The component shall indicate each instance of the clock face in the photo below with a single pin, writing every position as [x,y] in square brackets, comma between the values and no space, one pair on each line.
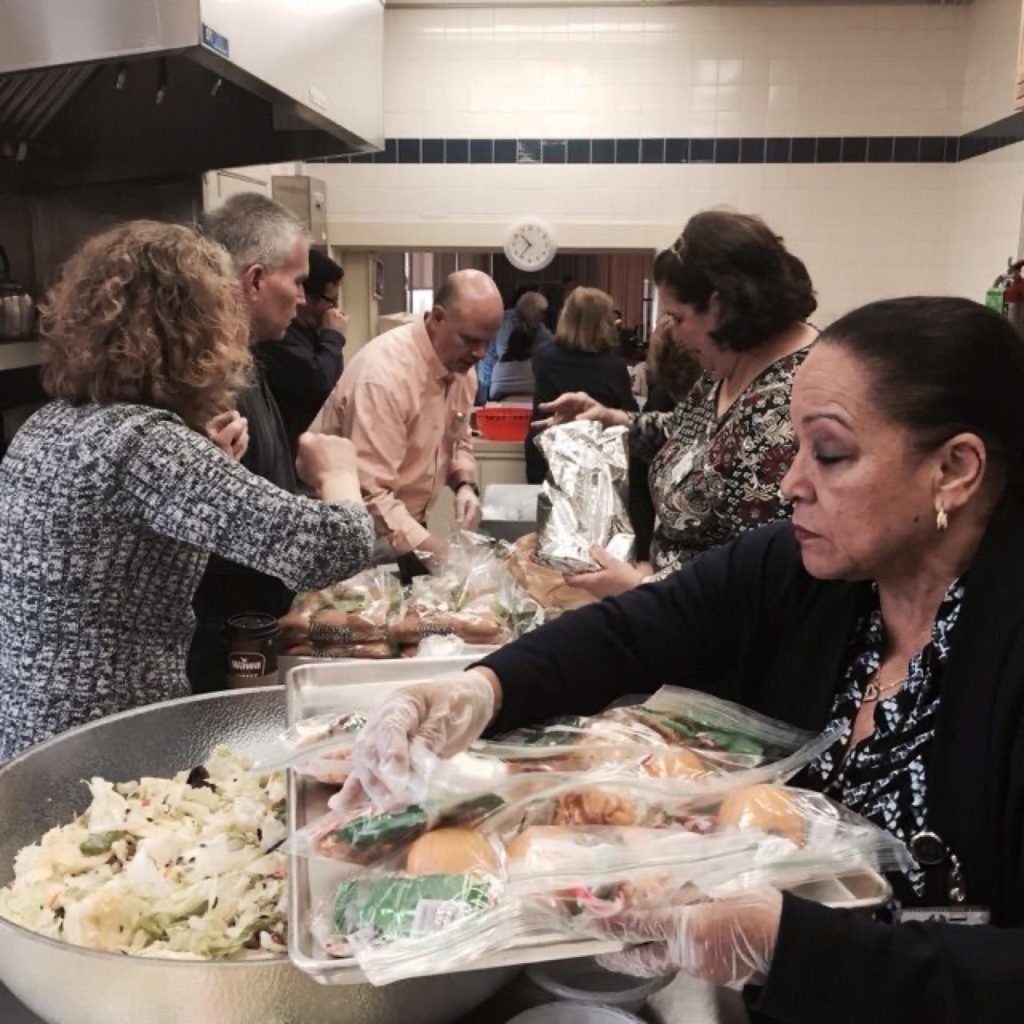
[530,245]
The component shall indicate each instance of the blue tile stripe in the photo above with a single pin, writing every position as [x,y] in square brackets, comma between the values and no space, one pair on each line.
[860,149]
[845,149]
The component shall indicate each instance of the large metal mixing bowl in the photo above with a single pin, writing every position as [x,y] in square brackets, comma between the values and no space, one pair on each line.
[66,984]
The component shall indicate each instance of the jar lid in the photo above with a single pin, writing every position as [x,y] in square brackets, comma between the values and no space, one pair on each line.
[254,624]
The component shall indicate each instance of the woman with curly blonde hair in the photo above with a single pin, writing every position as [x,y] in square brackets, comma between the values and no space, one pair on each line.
[112,496]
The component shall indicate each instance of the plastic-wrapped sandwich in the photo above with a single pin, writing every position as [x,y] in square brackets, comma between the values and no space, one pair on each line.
[522,870]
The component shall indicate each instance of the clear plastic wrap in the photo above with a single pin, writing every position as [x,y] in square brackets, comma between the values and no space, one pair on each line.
[533,877]
[330,734]
[677,734]
[516,609]
[348,620]
[382,838]
[457,599]
[572,878]
[583,501]
[695,742]
[544,585]
[371,913]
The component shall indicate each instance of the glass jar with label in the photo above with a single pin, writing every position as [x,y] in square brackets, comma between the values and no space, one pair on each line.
[251,640]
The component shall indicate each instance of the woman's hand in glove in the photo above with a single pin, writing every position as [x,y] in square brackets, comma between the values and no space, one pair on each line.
[727,942]
[411,730]
[467,507]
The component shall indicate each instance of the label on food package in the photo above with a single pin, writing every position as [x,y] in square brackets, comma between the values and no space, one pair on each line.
[434,915]
[247,664]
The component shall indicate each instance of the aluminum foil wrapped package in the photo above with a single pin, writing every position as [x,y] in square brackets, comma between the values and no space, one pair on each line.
[583,499]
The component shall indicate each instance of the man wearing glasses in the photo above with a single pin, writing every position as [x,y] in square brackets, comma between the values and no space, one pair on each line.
[303,367]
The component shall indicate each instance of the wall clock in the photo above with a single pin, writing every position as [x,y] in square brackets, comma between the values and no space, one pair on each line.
[530,244]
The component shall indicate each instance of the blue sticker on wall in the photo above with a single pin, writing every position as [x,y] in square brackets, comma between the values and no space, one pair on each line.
[215,41]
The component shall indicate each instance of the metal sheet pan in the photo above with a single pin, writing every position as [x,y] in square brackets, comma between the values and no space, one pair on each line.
[354,685]
[312,689]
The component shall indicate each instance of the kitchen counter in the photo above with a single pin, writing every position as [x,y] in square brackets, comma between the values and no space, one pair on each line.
[499,462]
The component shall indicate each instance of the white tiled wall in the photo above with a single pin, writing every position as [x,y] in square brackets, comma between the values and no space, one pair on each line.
[987,191]
[673,71]
[986,219]
[865,230]
[990,58]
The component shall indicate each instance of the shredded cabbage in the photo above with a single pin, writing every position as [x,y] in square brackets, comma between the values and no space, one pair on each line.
[162,868]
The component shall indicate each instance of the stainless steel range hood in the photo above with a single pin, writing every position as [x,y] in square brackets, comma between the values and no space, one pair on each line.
[111,90]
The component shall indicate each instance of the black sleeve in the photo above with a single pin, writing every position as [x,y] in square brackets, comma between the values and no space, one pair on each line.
[705,627]
[906,973]
[295,369]
[624,386]
[543,391]
[544,387]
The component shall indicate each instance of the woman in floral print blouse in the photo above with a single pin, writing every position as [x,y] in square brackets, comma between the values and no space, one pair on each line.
[739,301]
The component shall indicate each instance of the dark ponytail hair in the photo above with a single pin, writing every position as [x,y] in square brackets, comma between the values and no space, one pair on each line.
[762,288]
[941,367]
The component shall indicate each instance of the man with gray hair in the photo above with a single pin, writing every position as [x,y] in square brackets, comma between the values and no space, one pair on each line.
[527,314]
[270,253]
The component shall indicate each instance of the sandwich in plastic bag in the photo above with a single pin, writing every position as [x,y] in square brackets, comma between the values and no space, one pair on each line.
[520,879]
[348,620]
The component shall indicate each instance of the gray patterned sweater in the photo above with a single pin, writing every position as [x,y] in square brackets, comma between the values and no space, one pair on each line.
[107,516]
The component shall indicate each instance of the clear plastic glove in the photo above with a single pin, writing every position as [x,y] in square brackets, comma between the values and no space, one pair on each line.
[727,942]
[578,405]
[410,731]
[613,578]
[229,431]
[467,508]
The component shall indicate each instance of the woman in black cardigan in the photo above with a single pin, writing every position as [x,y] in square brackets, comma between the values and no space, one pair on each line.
[891,608]
[583,356]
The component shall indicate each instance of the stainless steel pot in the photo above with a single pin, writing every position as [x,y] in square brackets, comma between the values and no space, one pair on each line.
[66,984]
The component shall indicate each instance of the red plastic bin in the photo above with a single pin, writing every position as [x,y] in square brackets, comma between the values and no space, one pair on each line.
[503,422]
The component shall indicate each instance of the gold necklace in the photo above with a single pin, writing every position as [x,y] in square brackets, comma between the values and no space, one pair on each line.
[873,691]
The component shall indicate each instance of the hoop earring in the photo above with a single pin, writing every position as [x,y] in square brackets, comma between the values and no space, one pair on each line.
[941,520]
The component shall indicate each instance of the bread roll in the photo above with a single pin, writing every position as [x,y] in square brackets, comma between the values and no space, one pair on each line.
[295,627]
[407,629]
[451,851]
[675,763]
[479,629]
[772,809]
[332,626]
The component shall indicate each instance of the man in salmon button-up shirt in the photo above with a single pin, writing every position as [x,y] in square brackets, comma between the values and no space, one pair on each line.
[404,401]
